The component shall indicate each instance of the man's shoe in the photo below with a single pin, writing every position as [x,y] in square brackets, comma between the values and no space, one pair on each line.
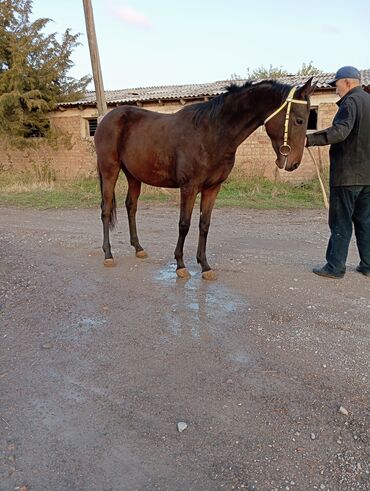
[326,274]
[360,269]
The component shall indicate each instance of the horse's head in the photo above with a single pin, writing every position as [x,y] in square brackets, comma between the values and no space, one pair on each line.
[287,126]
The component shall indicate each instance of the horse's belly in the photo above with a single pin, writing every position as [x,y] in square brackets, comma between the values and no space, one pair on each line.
[159,182]
[153,172]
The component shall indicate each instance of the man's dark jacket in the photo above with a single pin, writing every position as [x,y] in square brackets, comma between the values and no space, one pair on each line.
[349,137]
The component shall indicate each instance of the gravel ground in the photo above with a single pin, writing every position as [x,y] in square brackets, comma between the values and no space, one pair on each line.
[98,365]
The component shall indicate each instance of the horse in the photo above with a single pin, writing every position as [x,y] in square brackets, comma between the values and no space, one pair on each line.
[194,149]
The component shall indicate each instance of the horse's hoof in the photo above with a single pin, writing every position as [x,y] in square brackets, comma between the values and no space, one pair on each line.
[209,275]
[141,254]
[109,263]
[183,273]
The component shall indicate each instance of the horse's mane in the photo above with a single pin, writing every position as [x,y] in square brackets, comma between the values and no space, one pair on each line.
[211,109]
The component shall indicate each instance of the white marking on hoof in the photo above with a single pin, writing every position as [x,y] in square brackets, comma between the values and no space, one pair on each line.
[209,275]
[141,254]
[183,273]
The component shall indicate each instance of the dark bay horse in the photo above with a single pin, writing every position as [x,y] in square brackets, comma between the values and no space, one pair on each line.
[194,150]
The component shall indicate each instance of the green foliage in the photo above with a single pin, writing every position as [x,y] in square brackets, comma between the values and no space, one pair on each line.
[33,73]
[308,69]
[266,73]
[274,72]
[235,76]
[261,193]
[44,171]
[39,189]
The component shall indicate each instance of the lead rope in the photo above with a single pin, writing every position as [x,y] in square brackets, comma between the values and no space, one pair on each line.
[323,190]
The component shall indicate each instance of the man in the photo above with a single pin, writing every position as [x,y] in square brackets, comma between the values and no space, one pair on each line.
[349,137]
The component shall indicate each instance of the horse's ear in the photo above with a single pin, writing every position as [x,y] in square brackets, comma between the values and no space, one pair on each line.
[307,89]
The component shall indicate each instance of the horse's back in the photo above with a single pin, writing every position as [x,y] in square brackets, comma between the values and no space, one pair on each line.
[120,119]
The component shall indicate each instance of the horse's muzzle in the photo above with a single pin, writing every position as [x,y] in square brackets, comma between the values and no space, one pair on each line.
[282,164]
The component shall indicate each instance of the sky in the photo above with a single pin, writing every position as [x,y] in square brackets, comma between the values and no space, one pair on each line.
[144,43]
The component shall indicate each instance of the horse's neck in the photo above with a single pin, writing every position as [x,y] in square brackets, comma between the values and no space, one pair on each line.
[247,111]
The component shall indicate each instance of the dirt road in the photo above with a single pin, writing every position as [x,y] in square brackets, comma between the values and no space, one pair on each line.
[98,365]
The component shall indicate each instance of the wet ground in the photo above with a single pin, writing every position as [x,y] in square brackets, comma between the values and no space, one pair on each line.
[98,365]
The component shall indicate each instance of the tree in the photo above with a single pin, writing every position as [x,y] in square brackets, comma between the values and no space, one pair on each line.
[267,73]
[274,72]
[33,73]
[308,69]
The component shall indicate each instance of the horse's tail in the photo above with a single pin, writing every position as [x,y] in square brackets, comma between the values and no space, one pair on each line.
[113,211]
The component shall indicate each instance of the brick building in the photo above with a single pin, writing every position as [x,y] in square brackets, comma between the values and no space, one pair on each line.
[255,155]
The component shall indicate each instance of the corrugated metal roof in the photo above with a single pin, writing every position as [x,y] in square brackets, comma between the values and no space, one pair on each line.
[194,91]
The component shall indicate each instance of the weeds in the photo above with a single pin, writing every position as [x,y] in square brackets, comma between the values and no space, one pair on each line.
[39,188]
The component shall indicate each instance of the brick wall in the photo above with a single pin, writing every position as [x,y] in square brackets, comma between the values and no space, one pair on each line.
[255,156]
[75,160]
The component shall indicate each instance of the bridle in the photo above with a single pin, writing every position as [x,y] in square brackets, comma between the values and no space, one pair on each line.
[285,149]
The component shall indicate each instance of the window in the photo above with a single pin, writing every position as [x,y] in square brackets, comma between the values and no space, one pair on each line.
[93,123]
[312,119]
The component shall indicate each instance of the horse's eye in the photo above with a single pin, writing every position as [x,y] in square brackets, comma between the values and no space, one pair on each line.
[300,121]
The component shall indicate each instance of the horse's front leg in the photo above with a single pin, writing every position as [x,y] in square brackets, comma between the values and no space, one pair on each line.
[188,196]
[206,206]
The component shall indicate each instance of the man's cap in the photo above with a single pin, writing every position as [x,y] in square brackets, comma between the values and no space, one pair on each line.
[346,72]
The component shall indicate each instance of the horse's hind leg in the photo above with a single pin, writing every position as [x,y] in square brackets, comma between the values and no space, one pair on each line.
[108,174]
[207,202]
[187,204]
[133,193]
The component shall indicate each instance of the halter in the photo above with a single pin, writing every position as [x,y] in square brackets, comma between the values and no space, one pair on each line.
[285,148]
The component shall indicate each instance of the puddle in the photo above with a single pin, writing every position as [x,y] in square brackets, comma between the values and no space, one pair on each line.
[168,275]
[205,310]
[203,299]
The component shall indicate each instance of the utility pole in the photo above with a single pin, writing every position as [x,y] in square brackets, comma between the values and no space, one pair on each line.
[95,61]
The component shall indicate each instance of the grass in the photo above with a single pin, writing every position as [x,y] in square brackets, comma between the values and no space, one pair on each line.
[27,190]
[264,194]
